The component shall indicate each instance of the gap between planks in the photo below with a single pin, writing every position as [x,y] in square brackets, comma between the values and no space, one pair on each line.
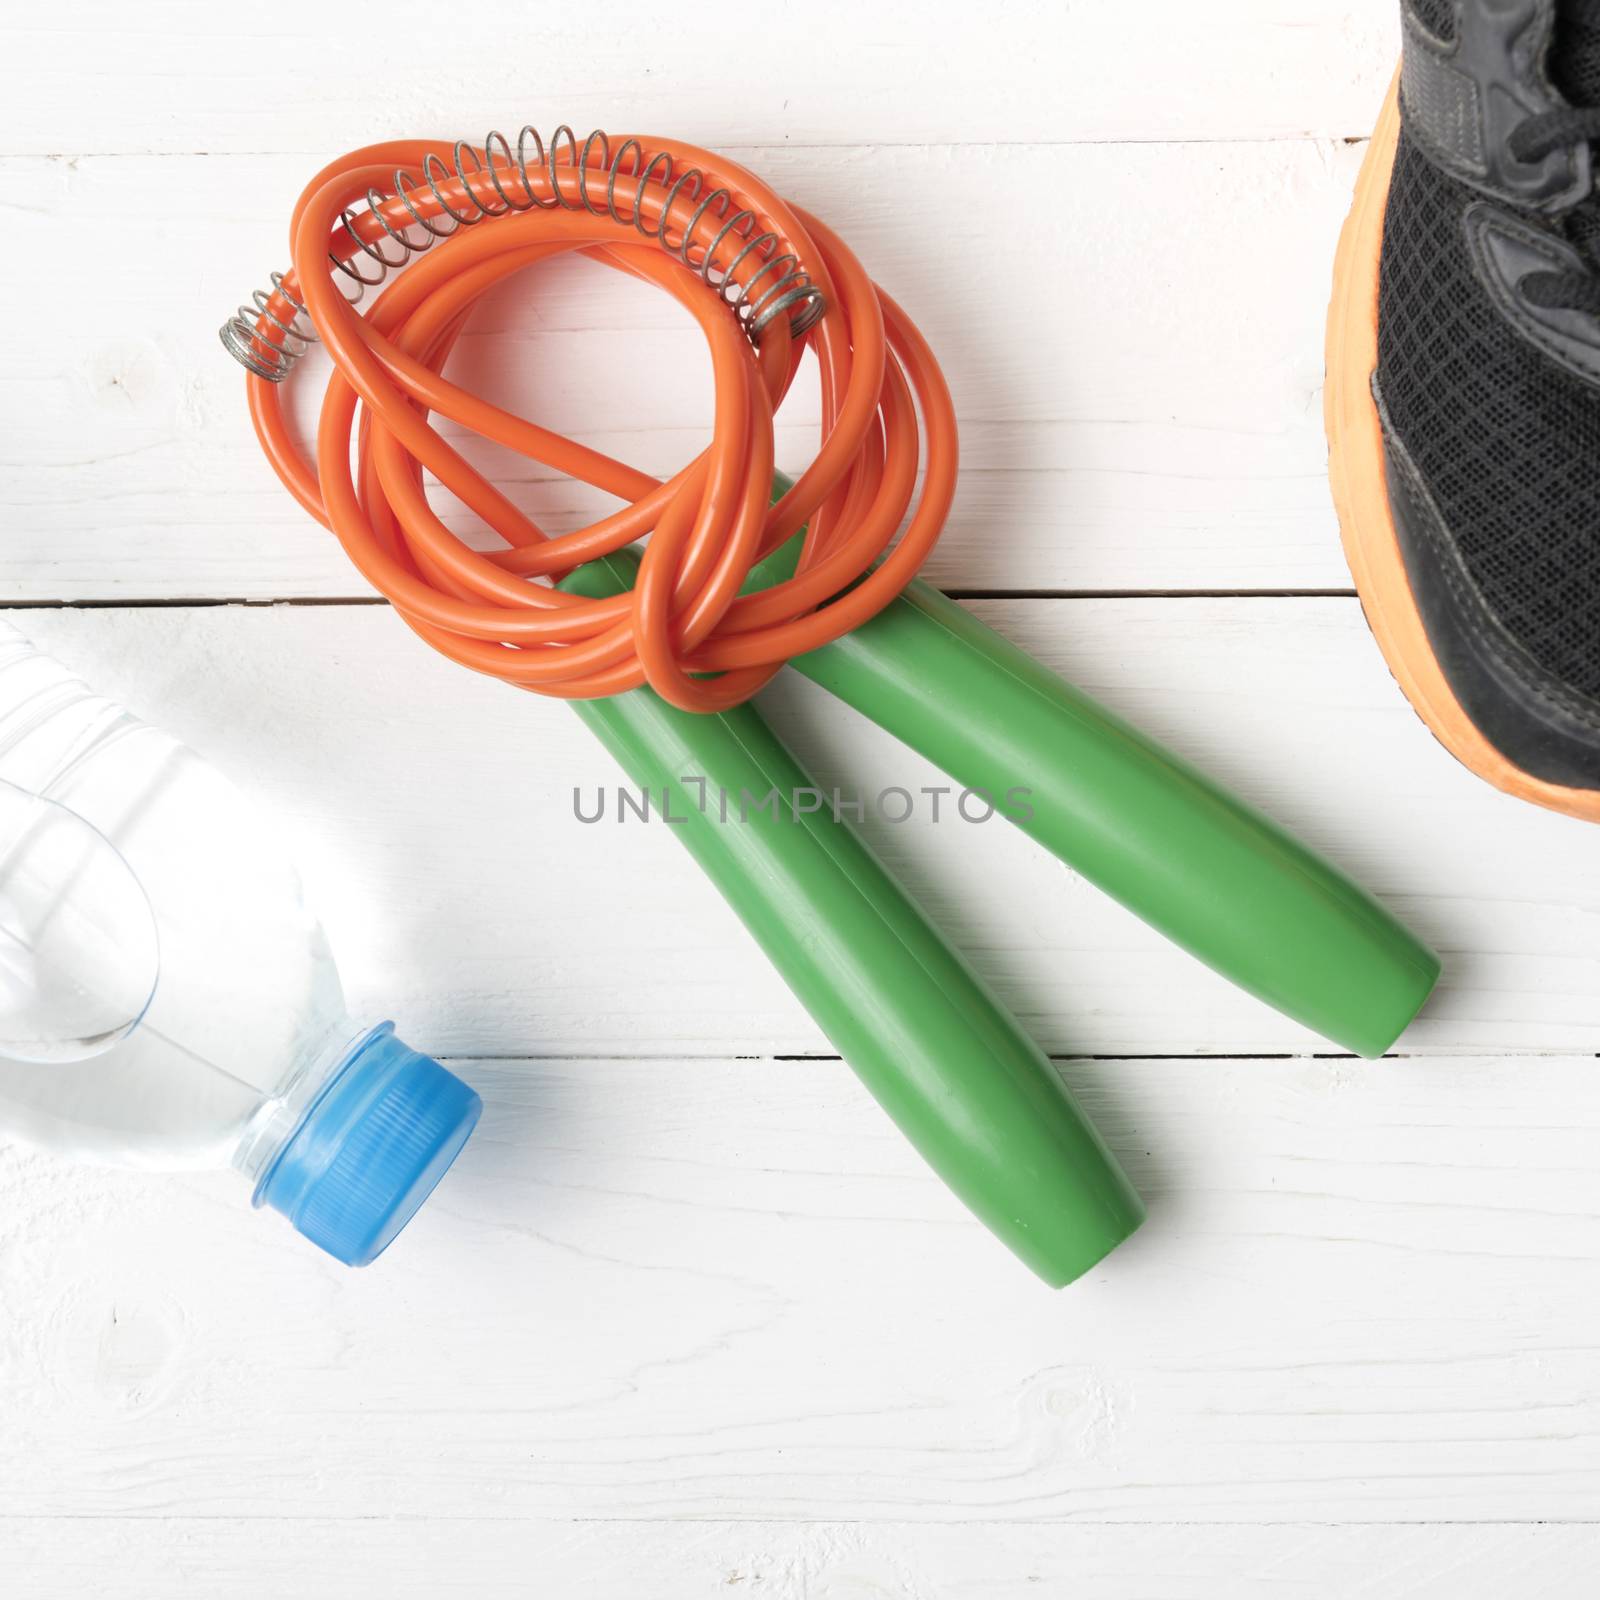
[1151,1525]
[953,592]
[1351,140]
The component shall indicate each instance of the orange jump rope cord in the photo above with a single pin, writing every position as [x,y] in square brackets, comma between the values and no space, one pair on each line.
[708,524]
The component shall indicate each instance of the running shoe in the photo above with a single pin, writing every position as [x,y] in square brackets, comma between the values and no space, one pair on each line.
[1463,394]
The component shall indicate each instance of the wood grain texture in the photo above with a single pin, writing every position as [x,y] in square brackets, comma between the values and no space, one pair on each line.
[689,1320]
[184,75]
[499,1558]
[433,813]
[727,1290]
[1145,414]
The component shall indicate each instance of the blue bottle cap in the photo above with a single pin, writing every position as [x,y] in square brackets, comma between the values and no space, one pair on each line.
[370,1148]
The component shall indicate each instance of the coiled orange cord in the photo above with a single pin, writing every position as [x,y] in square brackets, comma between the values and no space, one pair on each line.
[708,524]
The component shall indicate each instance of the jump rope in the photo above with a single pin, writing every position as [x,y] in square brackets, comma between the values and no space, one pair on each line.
[744,570]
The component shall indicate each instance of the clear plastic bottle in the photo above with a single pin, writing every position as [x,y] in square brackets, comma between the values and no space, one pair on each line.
[166,998]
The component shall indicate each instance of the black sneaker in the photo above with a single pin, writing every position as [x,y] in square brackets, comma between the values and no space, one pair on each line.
[1463,398]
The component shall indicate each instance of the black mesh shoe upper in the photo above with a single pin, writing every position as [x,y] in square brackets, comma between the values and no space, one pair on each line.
[1505,440]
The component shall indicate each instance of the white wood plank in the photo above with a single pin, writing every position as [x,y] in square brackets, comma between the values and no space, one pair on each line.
[182,75]
[1141,411]
[433,813]
[497,1558]
[720,1290]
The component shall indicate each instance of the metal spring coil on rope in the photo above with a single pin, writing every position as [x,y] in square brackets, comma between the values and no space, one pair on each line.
[268,342]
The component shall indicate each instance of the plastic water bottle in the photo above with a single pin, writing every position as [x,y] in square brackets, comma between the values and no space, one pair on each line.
[166,998]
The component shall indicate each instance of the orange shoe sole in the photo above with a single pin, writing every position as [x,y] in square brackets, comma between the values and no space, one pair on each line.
[1356,470]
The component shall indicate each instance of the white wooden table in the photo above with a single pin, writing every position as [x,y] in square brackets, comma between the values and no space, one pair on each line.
[688,1319]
